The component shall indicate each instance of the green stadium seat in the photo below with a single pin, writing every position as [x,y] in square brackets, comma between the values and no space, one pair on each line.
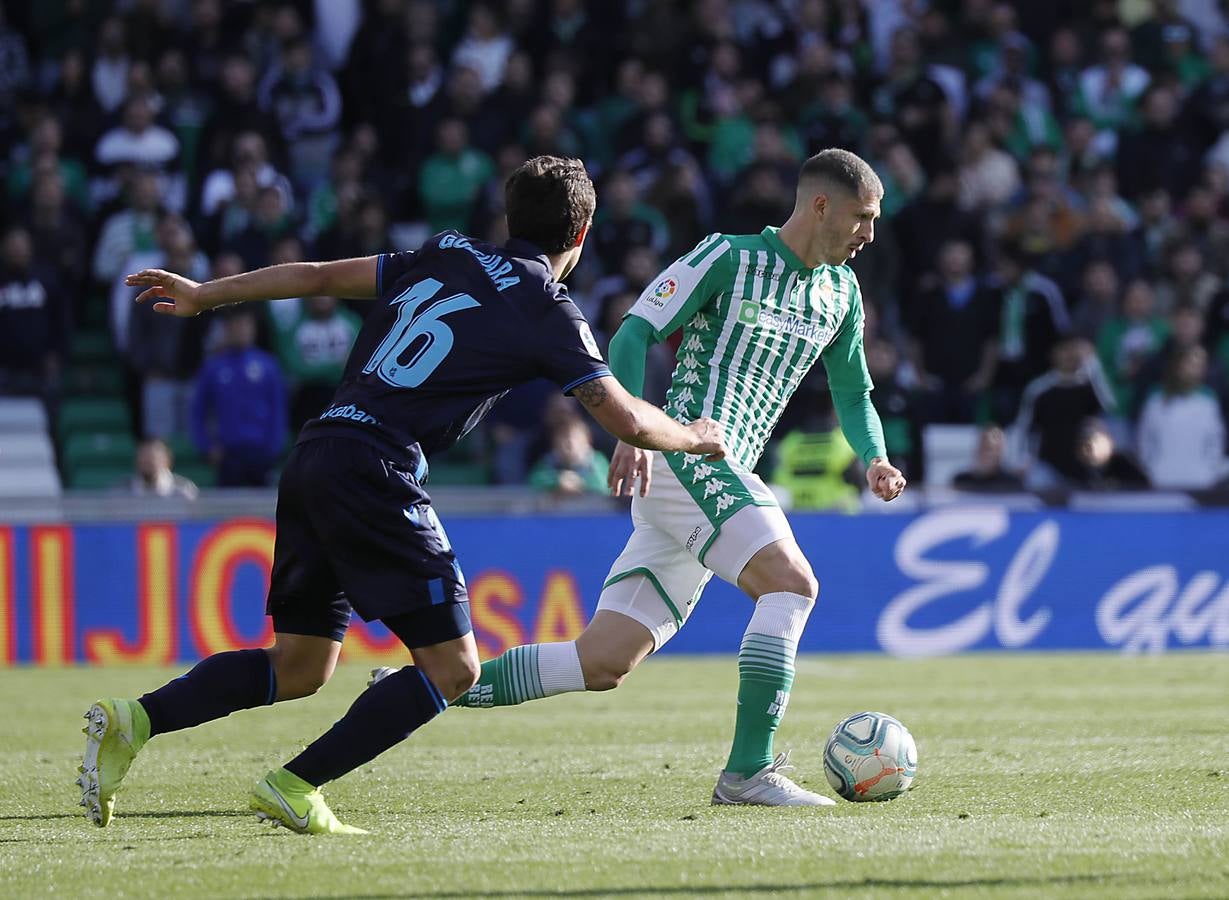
[91,347]
[198,472]
[456,473]
[94,314]
[92,414]
[184,451]
[83,449]
[94,380]
[99,477]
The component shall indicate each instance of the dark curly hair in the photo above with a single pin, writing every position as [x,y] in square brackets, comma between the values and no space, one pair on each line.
[549,200]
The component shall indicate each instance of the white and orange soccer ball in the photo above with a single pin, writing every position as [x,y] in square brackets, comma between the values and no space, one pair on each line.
[870,756]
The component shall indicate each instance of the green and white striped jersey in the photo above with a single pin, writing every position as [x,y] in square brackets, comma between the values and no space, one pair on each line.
[754,319]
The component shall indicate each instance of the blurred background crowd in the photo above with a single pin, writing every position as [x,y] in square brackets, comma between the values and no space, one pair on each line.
[1047,303]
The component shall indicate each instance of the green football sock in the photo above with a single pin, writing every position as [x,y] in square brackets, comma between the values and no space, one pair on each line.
[530,672]
[765,677]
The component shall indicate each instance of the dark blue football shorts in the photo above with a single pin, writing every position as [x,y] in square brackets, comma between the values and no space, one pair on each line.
[355,528]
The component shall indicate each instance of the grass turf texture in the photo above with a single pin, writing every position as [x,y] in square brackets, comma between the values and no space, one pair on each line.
[1040,775]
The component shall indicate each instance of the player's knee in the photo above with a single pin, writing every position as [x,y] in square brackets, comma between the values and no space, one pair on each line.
[457,677]
[606,674]
[797,578]
[302,681]
[471,671]
[312,681]
[811,583]
[604,681]
[298,675]
[779,568]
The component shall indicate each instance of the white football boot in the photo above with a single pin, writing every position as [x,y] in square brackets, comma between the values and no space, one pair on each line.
[379,674]
[767,787]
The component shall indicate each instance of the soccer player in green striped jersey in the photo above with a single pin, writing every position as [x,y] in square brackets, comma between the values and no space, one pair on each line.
[757,311]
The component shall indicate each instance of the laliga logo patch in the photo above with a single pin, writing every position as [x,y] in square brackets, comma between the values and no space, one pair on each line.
[663,291]
[586,338]
[665,288]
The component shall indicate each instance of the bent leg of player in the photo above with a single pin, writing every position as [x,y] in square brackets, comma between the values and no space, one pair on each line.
[653,585]
[383,715]
[730,519]
[599,658]
[117,729]
[310,616]
[389,552]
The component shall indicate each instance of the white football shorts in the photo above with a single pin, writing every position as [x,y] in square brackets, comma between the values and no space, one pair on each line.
[700,518]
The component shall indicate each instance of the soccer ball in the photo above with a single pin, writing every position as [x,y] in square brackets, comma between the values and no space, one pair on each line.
[870,756]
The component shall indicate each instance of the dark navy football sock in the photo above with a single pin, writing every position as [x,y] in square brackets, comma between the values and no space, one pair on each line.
[217,686]
[383,715]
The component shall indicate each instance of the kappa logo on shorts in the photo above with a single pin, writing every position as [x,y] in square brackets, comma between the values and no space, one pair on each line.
[691,541]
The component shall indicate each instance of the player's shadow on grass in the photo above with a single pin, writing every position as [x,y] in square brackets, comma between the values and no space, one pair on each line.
[705,890]
[190,814]
[48,817]
[153,814]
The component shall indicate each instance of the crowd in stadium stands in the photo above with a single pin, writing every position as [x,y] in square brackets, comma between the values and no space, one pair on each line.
[1051,264]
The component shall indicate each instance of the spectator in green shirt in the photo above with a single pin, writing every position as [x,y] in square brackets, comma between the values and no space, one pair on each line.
[452,178]
[573,466]
[1130,339]
[313,350]
[44,148]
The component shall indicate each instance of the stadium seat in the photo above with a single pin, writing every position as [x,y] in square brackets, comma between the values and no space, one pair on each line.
[27,457]
[93,414]
[97,448]
[22,414]
[183,450]
[29,481]
[198,472]
[91,347]
[94,380]
[26,448]
[456,473]
[949,450]
[100,477]
[94,313]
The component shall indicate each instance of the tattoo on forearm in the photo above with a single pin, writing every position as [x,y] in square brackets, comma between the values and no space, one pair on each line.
[592,393]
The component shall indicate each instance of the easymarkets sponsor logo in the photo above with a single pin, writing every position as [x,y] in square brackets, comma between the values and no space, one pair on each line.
[808,331]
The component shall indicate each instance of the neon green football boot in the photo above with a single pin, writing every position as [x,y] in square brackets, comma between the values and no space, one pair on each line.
[284,798]
[115,732]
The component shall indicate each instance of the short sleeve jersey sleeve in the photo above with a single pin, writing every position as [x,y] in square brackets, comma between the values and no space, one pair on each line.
[390,267]
[845,357]
[685,286]
[566,352]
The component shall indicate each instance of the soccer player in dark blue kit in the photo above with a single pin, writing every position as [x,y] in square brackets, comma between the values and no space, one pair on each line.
[458,323]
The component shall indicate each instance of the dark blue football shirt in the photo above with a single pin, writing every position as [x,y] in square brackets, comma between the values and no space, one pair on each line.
[458,323]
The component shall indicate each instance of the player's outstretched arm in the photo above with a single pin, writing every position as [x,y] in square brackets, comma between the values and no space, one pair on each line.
[642,424]
[862,428]
[179,296]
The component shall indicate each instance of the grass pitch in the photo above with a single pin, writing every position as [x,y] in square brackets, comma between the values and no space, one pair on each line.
[1040,776]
